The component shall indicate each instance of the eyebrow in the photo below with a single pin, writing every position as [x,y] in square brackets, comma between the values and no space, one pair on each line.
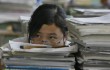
[52,34]
[49,33]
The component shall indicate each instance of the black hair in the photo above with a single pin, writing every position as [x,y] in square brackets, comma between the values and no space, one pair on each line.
[47,14]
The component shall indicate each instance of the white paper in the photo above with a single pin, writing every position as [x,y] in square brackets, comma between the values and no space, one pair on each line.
[39,63]
[93,10]
[91,20]
[25,18]
[16,47]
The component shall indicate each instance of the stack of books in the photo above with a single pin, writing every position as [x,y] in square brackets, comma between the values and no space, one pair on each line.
[92,12]
[95,33]
[44,58]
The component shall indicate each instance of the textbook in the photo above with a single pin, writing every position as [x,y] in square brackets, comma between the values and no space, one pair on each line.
[104,19]
[14,67]
[95,33]
[43,57]
[39,62]
[41,49]
[97,55]
[93,12]
[97,64]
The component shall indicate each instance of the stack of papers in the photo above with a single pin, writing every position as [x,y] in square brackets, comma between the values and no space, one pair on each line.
[91,20]
[97,64]
[44,57]
[45,49]
[95,33]
[93,12]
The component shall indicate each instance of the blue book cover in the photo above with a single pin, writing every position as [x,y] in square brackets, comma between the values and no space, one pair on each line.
[34,68]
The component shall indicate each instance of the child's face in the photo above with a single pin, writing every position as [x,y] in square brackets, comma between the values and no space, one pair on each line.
[49,35]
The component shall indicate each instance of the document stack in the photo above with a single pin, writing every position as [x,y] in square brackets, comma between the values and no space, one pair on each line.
[95,33]
[15,57]
[92,12]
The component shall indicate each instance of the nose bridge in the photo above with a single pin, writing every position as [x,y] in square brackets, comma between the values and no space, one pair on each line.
[44,39]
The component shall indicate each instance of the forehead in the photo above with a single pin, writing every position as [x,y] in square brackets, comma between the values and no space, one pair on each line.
[50,29]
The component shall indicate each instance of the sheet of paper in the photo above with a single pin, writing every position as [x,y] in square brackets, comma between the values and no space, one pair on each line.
[91,20]
[16,45]
[64,50]
[24,18]
[93,10]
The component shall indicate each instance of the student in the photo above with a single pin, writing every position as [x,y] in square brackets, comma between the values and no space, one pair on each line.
[48,26]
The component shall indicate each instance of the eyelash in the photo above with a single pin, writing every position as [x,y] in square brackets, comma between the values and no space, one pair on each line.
[52,37]
[36,36]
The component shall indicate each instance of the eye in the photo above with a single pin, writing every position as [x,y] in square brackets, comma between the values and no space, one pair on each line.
[52,37]
[36,36]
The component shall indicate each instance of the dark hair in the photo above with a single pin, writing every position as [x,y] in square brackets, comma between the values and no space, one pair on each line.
[47,14]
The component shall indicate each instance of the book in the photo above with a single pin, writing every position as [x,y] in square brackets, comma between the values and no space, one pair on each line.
[38,62]
[43,57]
[93,12]
[13,67]
[97,64]
[95,33]
[94,20]
[44,50]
